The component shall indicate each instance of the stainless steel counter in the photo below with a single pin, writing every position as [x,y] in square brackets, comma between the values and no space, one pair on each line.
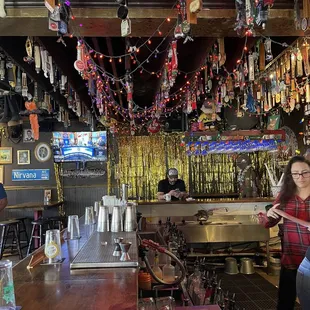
[96,255]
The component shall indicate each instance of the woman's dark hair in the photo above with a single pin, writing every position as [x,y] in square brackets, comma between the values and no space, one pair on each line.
[288,189]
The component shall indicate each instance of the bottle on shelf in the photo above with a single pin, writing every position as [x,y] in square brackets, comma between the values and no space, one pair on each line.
[156,269]
[169,271]
[194,280]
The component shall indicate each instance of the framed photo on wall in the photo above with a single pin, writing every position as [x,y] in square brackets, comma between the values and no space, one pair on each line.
[42,152]
[23,157]
[28,136]
[5,155]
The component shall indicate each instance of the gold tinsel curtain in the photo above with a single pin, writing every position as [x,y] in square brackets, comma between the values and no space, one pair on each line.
[144,160]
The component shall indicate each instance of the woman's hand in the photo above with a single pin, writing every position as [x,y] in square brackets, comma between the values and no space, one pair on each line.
[272,213]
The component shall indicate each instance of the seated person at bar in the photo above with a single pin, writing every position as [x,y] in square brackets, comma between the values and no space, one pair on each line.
[3,197]
[172,185]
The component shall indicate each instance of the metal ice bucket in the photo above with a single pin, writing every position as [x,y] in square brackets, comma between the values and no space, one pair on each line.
[247,266]
[231,266]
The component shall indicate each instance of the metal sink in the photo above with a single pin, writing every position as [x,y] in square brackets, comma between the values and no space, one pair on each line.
[219,228]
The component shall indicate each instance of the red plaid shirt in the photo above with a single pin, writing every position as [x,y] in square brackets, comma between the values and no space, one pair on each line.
[296,238]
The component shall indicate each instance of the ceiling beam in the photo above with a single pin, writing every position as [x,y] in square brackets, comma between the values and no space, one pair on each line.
[103,22]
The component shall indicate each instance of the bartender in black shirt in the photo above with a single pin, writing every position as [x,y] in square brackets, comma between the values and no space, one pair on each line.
[172,185]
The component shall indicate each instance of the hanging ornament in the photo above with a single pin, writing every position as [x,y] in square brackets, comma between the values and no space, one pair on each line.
[173,64]
[297,15]
[241,17]
[178,31]
[18,87]
[196,6]
[250,103]
[268,3]
[221,49]
[37,58]
[154,126]
[262,14]
[305,56]
[249,12]
[251,67]
[33,118]
[79,63]
[269,55]
[262,56]
[299,69]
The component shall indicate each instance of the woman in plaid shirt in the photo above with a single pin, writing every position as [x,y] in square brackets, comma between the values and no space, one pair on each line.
[294,199]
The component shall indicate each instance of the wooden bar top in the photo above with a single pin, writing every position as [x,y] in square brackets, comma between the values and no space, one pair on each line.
[207,201]
[56,287]
[36,205]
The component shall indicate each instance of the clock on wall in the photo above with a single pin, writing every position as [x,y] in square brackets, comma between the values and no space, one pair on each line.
[42,152]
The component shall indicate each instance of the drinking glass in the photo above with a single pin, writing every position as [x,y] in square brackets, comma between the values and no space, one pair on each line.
[89,216]
[165,303]
[73,227]
[146,304]
[7,301]
[96,208]
[52,248]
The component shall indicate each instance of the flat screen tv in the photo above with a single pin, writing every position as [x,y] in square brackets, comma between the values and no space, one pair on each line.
[79,146]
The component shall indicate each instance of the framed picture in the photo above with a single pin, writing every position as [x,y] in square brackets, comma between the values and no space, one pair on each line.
[47,195]
[1,174]
[42,152]
[28,136]
[273,122]
[5,155]
[23,157]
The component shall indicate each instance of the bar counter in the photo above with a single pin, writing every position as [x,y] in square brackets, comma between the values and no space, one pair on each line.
[266,200]
[56,287]
[233,206]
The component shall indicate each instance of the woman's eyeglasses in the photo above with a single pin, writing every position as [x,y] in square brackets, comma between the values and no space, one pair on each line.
[296,175]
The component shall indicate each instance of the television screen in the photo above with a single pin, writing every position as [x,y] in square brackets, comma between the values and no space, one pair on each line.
[79,146]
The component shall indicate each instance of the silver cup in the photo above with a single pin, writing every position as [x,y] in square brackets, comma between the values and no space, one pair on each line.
[89,216]
[117,219]
[117,251]
[125,248]
[231,266]
[73,227]
[103,220]
[247,266]
[96,208]
[129,224]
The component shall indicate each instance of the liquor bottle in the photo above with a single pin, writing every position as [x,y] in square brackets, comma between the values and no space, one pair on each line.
[168,271]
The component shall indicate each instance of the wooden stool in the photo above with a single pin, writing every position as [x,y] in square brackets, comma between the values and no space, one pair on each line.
[37,225]
[7,228]
[21,229]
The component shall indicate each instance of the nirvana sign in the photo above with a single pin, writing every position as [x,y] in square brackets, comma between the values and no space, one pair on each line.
[31,175]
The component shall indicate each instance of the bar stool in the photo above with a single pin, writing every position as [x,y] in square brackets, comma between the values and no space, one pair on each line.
[21,229]
[58,222]
[9,227]
[37,225]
